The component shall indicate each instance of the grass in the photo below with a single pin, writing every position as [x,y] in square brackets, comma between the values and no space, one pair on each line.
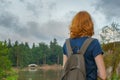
[12,75]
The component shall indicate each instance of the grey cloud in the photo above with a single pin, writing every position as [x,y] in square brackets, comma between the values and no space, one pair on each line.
[70,15]
[4,4]
[34,7]
[32,24]
[109,7]
[22,0]
[8,20]
[52,6]
[2,1]
[22,31]
[35,30]
[32,29]
[55,29]
[51,29]
[40,7]
[11,22]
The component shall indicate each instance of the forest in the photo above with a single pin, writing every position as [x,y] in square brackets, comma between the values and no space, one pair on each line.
[21,55]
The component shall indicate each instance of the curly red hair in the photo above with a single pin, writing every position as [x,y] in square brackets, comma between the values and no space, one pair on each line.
[81,25]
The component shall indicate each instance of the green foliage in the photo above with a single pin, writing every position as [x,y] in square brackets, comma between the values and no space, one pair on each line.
[21,55]
[12,75]
[5,63]
[112,56]
[55,53]
[115,77]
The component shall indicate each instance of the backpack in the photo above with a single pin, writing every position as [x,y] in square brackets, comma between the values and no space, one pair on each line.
[74,68]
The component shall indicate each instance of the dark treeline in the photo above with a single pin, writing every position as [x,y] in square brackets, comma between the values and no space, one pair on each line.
[20,54]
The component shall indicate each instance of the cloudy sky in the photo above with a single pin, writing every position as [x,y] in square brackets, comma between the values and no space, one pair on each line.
[42,20]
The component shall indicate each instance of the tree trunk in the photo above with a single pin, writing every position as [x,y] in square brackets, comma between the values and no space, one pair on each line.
[58,58]
[44,59]
[17,61]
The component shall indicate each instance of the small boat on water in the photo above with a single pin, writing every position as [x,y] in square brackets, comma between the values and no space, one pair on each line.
[32,67]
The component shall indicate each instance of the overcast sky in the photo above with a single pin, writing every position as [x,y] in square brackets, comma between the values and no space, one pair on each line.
[42,20]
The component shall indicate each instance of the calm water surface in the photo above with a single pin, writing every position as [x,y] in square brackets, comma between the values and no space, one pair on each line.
[39,75]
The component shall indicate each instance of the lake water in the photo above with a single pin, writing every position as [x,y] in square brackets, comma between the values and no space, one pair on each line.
[40,75]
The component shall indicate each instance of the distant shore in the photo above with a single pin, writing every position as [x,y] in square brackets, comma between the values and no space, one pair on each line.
[42,67]
[50,67]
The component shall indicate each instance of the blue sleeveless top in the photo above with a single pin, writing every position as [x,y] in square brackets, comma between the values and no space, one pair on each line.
[92,51]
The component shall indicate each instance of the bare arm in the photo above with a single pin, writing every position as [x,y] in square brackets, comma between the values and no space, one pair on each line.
[101,67]
[64,59]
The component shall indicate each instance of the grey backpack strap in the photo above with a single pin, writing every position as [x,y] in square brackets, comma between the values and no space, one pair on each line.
[69,49]
[85,45]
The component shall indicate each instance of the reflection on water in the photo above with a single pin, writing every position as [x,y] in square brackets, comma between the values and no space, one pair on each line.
[39,75]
